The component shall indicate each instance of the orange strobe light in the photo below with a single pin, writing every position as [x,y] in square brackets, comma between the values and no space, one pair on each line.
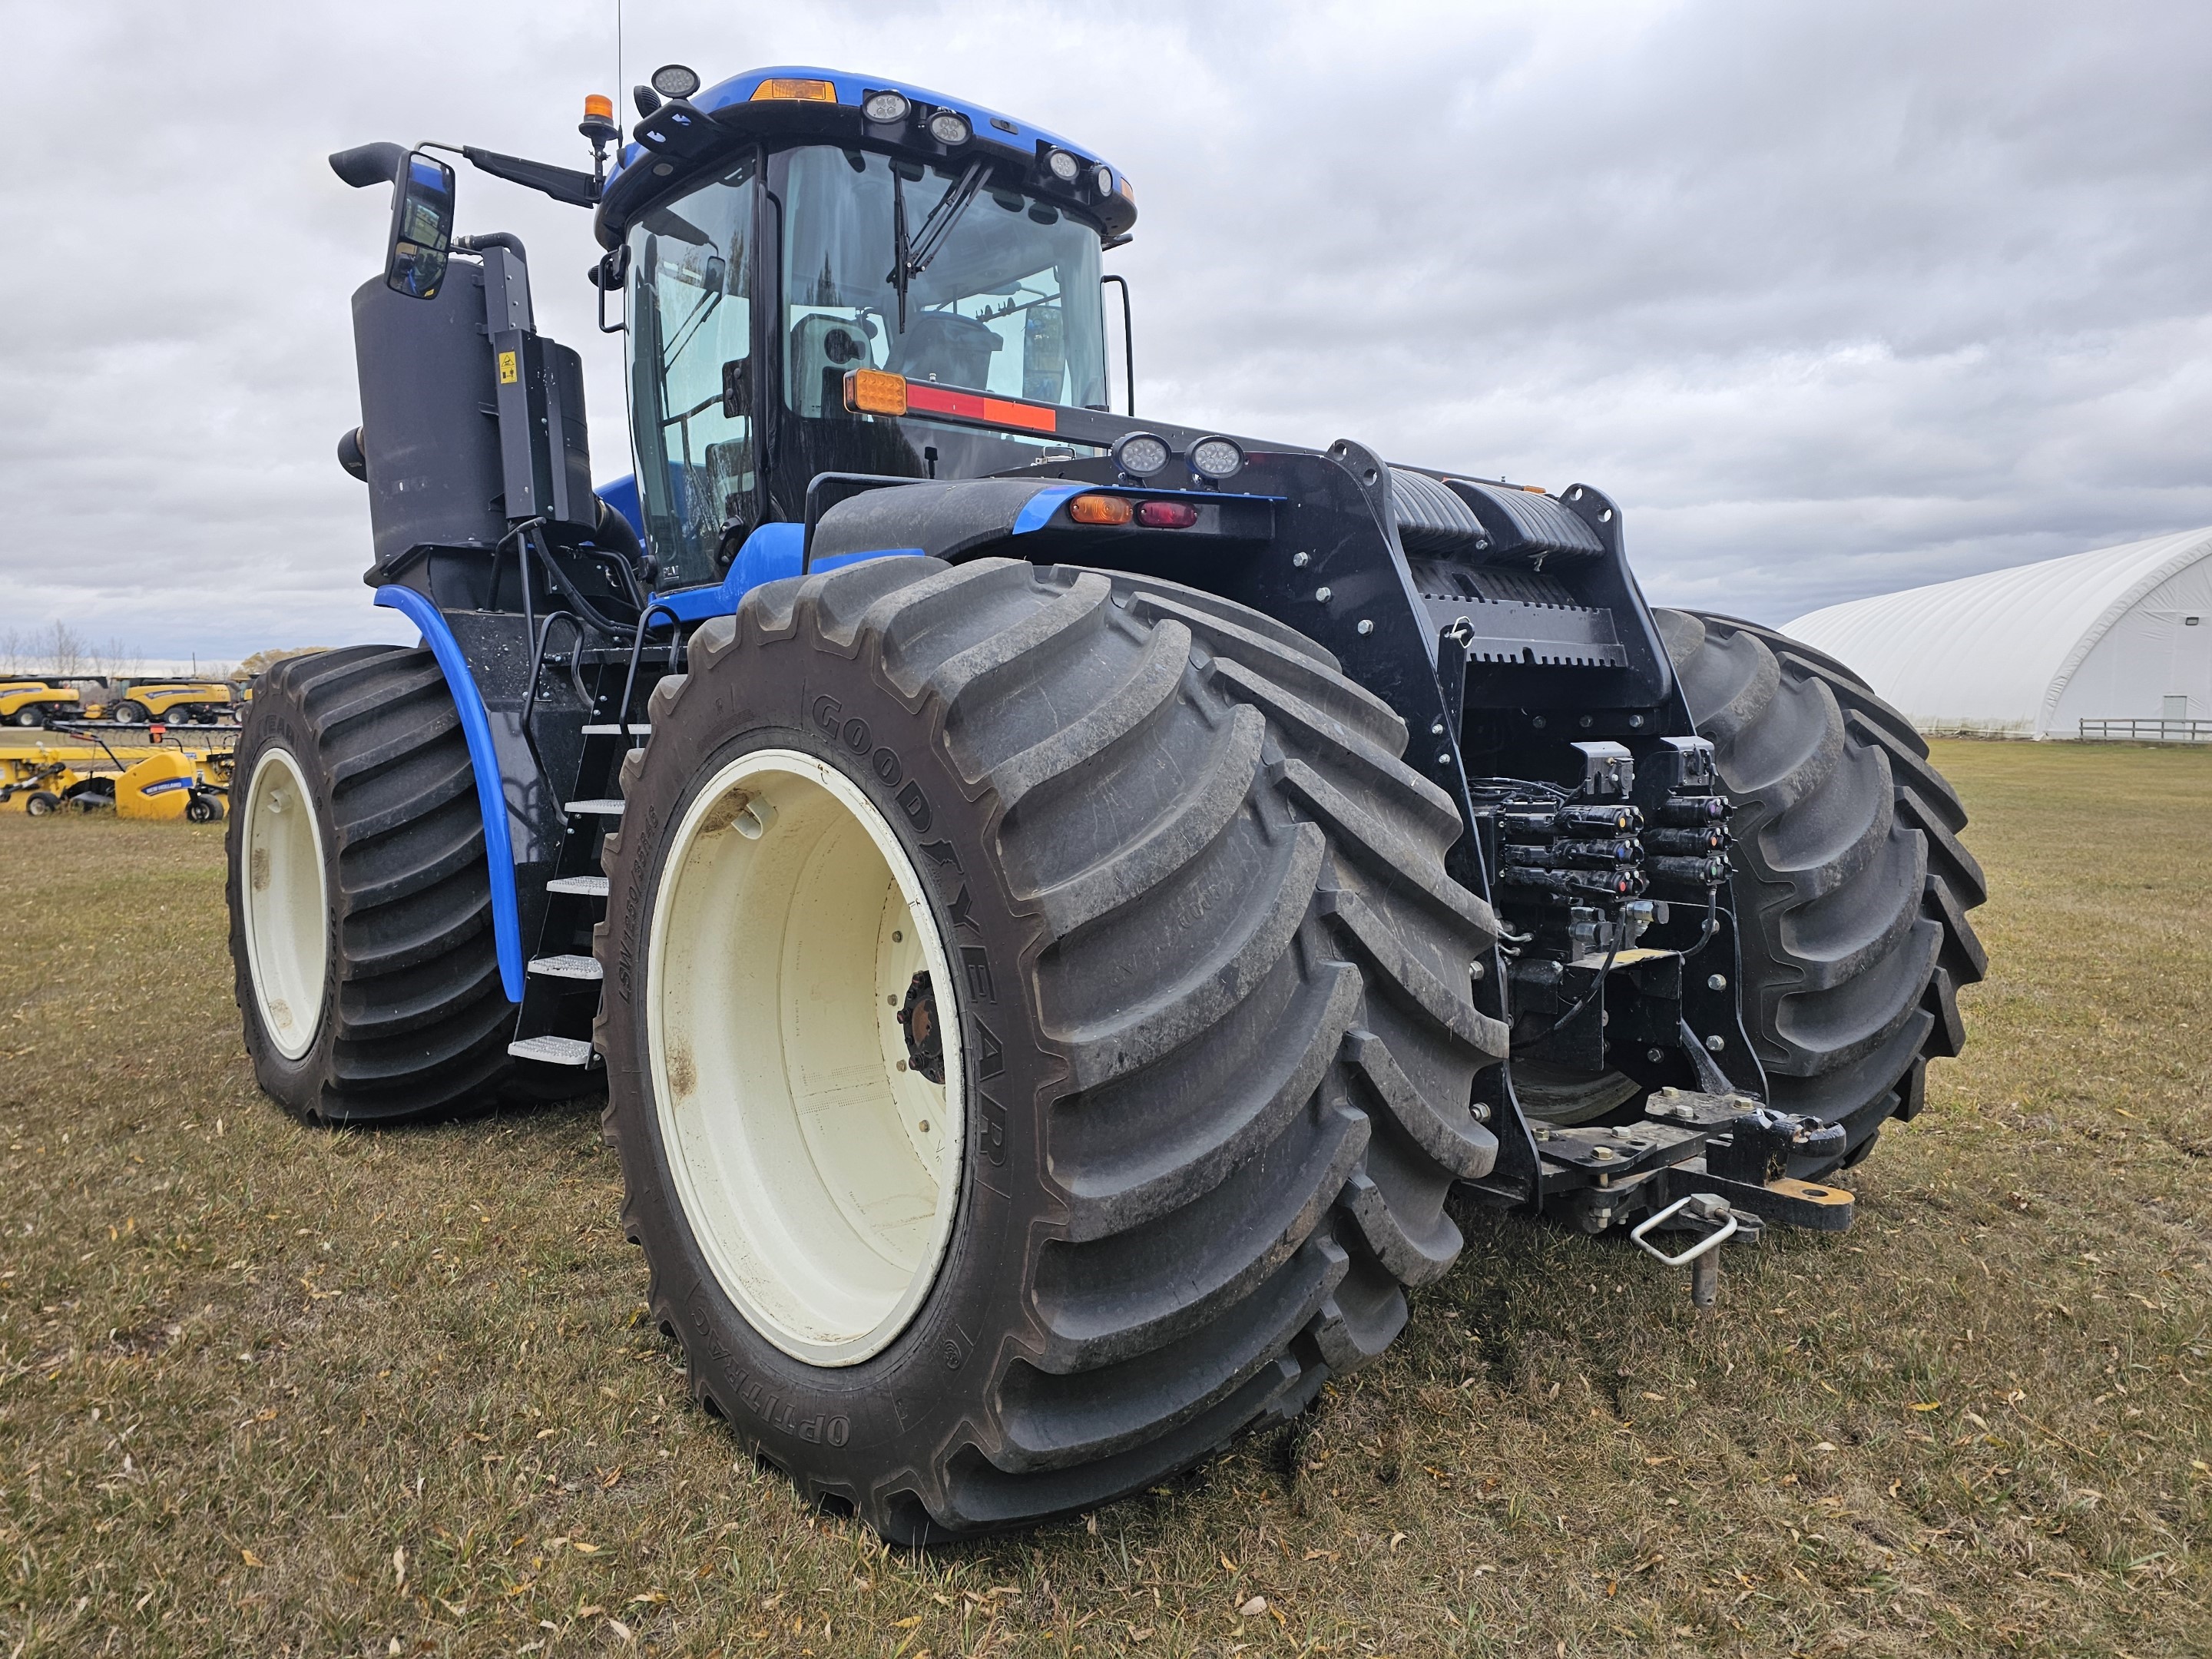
[598,107]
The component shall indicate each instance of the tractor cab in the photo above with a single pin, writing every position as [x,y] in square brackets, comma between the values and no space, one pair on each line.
[788,226]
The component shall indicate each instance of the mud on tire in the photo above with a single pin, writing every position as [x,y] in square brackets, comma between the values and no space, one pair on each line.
[1852,887]
[1216,983]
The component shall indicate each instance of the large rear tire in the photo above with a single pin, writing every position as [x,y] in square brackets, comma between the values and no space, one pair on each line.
[1207,1038]
[359,899]
[1851,889]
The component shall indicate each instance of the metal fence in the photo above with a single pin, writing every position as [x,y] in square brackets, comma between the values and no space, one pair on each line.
[2147,731]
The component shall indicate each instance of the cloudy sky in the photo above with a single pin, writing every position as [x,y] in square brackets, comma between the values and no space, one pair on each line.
[1832,299]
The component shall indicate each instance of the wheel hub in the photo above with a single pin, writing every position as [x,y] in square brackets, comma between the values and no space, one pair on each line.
[925,1038]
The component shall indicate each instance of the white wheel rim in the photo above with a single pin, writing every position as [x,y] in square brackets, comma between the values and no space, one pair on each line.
[819,1172]
[287,903]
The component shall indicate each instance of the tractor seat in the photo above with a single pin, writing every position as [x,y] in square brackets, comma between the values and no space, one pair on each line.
[947,348]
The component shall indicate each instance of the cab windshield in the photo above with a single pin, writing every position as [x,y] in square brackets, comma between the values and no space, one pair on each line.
[1008,302]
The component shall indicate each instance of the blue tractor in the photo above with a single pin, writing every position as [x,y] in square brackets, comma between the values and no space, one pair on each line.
[1057,903]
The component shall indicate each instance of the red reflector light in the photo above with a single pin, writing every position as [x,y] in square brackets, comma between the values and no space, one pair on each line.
[1100,509]
[1167,515]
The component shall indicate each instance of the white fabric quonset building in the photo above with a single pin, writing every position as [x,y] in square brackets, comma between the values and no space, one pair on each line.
[2118,633]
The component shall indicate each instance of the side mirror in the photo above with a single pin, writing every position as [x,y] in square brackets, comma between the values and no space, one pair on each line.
[422,226]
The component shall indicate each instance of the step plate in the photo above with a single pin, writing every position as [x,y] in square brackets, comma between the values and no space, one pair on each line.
[590,886]
[637,729]
[602,809]
[571,966]
[555,1051]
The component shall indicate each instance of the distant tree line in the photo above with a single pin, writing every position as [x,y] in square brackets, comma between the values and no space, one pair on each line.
[58,652]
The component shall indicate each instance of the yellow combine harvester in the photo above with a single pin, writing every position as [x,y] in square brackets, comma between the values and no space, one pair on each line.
[173,702]
[34,702]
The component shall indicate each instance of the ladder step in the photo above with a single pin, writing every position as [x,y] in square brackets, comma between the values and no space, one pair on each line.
[590,886]
[637,729]
[565,967]
[555,1050]
[601,809]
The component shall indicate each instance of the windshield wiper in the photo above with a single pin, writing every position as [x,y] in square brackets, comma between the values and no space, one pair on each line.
[912,255]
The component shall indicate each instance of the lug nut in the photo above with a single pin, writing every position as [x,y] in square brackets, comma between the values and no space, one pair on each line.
[1300,561]
[1322,595]
[1716,1042]
[1365,626]
[1717,982]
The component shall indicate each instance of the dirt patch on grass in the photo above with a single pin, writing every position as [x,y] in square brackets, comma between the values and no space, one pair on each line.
[265,1389]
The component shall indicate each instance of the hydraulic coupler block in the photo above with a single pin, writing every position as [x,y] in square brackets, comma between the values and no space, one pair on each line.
[1577,855]
[1522,824]
[1690,810]
[1686,843]
[1709,871]
[1618,883]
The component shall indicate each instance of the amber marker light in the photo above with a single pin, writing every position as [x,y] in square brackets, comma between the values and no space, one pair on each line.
[872,391]
[1100,509]
[792,88]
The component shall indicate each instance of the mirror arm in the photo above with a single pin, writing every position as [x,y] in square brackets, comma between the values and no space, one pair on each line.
[569,185]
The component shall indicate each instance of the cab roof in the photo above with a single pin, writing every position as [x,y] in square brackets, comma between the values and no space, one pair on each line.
[686,136]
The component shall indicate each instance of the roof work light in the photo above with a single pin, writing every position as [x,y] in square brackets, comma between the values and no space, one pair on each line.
[674,81]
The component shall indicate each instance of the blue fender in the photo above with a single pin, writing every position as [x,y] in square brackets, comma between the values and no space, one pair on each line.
[483,760]
[770,553]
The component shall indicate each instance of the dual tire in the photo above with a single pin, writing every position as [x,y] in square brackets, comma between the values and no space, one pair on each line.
[1177,915]
[361,932]
[1851,886]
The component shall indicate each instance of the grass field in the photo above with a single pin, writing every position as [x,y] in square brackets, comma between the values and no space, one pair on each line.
[266,1390]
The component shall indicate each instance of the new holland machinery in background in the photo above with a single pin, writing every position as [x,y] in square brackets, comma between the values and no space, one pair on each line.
[32,702]
[1057,901]
[173,702]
